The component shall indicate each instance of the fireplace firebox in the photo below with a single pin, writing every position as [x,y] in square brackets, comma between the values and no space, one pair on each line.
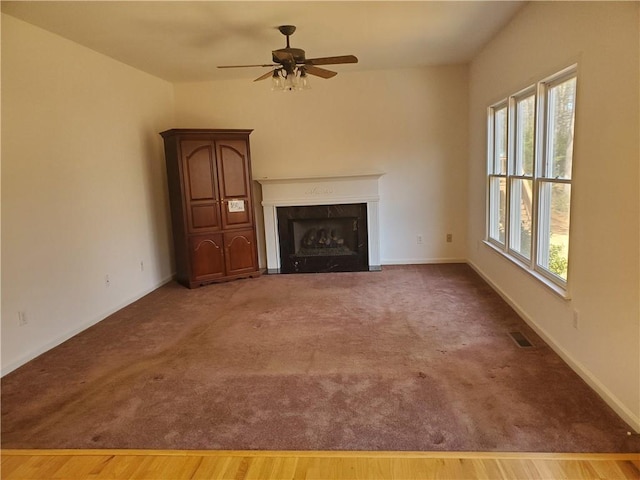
[323,238]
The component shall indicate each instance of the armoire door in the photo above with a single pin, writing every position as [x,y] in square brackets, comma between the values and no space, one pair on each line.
[200,185]
[206,254]
[233,178]
[240,252]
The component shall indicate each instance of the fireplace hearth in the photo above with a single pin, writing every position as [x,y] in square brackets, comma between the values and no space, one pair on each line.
[323,238]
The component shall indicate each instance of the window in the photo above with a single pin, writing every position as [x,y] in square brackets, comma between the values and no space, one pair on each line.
[498,174]
[530,160]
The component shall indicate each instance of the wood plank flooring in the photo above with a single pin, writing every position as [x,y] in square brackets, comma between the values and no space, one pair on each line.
[271,465]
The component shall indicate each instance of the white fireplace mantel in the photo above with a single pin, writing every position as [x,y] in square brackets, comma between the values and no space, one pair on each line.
[287,192]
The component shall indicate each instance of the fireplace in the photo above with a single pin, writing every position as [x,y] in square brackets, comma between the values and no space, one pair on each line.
[323,238]
[311,223]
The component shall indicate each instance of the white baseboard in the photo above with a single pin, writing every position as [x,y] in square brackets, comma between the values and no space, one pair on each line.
[74,331]
[584,373]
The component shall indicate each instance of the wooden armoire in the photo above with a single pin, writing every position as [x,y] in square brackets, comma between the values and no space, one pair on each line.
[209,177]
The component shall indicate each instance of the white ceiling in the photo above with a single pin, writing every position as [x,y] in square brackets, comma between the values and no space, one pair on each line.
[186,40]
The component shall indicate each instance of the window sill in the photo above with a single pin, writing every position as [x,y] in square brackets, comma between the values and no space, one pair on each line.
[558,290]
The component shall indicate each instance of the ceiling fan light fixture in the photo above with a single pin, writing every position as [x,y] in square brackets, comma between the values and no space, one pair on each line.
[304,80]
[277,81]
[290,80]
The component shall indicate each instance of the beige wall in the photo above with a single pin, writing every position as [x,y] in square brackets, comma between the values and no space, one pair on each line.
[83,188]
[602,37]
[409,124]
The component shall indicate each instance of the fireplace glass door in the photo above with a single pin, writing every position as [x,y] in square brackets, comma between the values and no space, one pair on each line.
[323,238]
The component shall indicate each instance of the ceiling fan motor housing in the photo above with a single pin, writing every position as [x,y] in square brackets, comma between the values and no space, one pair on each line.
[291,56]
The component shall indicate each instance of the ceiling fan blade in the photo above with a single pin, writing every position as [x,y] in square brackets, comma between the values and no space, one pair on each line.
[319,72]
[332,60]
[244,66]
[266,75]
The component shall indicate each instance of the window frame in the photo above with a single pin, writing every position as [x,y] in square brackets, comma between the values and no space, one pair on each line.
[492,175]
[541,180]
[513,172]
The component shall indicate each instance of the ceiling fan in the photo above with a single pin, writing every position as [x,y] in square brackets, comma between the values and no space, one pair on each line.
[290,66]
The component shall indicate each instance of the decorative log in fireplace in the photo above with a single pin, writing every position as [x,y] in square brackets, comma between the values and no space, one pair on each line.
[323,238]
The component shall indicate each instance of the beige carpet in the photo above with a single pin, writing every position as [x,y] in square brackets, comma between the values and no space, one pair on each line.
[410,358]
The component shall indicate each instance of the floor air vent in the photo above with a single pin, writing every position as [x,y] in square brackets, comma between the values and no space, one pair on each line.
[521,340]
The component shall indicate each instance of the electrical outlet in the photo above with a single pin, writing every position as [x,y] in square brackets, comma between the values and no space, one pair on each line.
[107,281]
[141,266]
[576,323]
[419,239]
[449,237]
[22,319]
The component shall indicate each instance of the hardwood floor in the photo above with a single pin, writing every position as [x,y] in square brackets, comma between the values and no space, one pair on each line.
[271,465]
